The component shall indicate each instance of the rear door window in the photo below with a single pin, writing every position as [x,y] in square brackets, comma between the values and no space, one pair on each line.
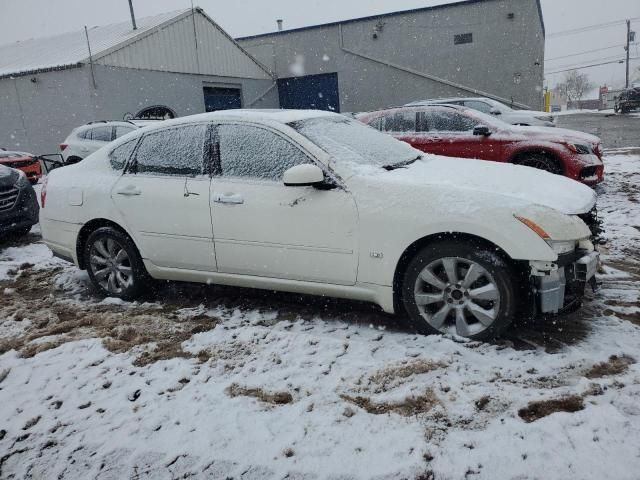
[400,122]
[445,121]
[177,151]
[101,134]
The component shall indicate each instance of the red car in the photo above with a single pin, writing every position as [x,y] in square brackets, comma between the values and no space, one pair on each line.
[22,161]
[461,132]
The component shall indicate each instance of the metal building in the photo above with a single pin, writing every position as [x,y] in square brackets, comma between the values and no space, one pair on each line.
[181,61]
[490,48]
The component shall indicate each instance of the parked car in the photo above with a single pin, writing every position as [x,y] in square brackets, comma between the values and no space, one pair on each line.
[462,132]
[628,99]
[525,118]
[85,140]
[316,203]
[23,161]
[18,203]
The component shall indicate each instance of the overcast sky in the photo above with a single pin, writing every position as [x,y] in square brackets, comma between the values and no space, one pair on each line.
[36,18]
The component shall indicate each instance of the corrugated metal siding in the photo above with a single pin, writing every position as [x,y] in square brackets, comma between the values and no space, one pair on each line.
[172,49]
[71,48]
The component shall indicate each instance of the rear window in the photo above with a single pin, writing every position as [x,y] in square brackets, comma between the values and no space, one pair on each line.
[120,155]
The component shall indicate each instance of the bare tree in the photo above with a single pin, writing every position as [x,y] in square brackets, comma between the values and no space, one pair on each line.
[575,85]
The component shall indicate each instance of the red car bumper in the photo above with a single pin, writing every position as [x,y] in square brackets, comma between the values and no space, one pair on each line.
[587,169]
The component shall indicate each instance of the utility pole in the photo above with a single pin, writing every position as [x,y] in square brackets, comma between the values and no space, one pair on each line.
[133,17]
[628,49]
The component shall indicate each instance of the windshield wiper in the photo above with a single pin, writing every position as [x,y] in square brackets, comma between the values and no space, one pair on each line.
[404,164]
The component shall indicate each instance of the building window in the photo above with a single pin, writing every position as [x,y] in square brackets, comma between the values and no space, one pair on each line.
[463,38]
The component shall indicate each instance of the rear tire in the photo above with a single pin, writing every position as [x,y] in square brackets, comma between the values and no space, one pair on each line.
[114,264]
[540,162]
[458,288]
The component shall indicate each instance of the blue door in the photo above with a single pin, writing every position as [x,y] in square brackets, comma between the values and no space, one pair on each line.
[319,92]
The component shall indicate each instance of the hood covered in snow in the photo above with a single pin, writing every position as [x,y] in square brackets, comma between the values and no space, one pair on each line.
[556,135]
[8,176]
[520,183]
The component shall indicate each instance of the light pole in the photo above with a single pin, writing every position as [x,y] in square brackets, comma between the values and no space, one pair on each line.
[133,17]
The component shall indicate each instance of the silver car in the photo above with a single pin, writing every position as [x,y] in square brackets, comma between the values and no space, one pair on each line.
[527,118]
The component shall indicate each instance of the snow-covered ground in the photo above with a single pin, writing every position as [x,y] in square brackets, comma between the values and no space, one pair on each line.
[214,382]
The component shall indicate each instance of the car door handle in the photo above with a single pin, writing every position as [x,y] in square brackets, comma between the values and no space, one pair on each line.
[129,191]
[229,198]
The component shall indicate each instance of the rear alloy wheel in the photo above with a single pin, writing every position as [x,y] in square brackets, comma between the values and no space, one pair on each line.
[113,263]
[541,162]
[458,289]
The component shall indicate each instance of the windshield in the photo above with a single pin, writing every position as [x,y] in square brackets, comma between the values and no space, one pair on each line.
[349,141]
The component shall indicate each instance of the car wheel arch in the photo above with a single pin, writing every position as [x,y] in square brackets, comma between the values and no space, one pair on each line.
[519,155]
[421,243]
[90,227]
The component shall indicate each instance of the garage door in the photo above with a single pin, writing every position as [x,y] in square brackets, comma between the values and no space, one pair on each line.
[218,98]
[318,92]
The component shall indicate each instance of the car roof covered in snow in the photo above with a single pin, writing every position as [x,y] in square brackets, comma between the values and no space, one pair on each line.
[277,116]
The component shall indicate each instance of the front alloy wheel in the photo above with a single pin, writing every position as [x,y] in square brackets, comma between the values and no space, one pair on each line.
[456,295]
[459,288]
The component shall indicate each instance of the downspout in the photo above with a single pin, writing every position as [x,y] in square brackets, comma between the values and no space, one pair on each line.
[426,75]
[93,77]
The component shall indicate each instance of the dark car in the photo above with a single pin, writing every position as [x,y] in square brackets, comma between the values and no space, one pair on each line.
[18,203]
[461,132]
[628,100]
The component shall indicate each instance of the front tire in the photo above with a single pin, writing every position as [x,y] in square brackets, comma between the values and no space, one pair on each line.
[457,288]
[541,162]
[114,264]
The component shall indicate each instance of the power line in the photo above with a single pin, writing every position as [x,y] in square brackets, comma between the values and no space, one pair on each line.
[592,60]
[621,61]
[584,53]
[589,28]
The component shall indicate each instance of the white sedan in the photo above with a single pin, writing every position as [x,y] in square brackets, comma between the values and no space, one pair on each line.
[316,203]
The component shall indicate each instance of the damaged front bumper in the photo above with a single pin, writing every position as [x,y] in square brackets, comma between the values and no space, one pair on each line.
[559,286]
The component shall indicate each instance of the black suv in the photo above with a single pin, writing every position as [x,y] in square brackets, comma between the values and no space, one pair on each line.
[18,204]
[628,100]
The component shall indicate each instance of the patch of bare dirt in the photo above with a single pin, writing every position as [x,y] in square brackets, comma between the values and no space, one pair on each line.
[614,366]
[54,321]
[392,376]
[542,408]
[408,407]
[274,398]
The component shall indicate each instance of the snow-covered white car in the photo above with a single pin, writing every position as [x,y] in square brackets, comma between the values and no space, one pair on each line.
[316,203]
[84,140]
[526,118]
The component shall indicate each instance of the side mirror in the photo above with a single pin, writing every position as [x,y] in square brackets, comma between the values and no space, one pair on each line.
[495,111]
[482,130]
[306,175]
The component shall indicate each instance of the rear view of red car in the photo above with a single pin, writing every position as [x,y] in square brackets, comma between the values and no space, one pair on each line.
[460,132]
[22,161]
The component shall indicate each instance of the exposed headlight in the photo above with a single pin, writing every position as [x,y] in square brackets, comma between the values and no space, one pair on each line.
[560,247]
[545,119]
[579,148]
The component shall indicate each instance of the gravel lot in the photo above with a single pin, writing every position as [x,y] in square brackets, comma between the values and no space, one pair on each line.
[217,382]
